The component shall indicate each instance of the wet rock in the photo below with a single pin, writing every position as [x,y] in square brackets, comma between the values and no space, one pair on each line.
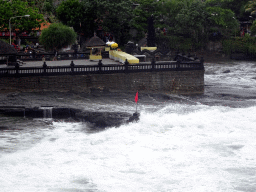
[134,117]
[99,91]
[226,71]
[3,127]
[34,112]
[103,119]
[97,120]
[12,111]
[64,113]
[12,95]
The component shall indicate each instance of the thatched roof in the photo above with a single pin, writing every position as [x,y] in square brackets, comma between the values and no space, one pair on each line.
[5,48]
[95,42]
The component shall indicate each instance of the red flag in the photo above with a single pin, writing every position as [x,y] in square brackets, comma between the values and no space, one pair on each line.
[136,97]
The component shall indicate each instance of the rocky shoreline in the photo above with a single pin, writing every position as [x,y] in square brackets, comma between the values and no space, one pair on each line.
[69,105]
[82,104]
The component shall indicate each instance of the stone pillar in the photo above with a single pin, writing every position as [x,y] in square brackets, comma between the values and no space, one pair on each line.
[72,65]
[44,67]
[100,65]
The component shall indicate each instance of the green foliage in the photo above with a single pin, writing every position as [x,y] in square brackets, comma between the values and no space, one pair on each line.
[218,2]
[77,15]
[192,21]
[15,8]
[143,11]
[251,7]
[87,16]
[114,16]
[57,36]
[237,6]
[168,12]
[253,28]
[223,19]
[177,43]
[5,40]
[246,45]
[48,6]
[44,6]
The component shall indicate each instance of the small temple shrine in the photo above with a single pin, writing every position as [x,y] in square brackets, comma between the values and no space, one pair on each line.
[96,45]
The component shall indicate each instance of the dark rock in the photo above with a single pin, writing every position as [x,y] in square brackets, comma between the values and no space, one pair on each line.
[96,120]
[99,91]
[64,113]
[103,119]
[35,112]
[226,71]
[134,117]
[3,127]
[12,111]
[12,95]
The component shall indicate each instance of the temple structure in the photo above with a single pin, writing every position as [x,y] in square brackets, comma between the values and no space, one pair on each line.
[95,44]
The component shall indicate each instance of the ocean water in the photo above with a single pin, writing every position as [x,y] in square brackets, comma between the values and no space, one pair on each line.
[186,143]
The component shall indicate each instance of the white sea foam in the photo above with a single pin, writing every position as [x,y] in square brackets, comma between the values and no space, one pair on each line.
[173,147]
[201,149]
[241,74]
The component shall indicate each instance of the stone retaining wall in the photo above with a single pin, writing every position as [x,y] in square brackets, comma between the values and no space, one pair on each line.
[177,82]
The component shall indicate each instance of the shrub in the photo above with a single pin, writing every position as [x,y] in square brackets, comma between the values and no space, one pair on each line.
[57,36]
[180,43]
[246,45]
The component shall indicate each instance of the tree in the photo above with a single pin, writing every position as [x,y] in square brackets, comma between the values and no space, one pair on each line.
[78,14]
[168,12]
[223,19]
[237,6]
[253,28]
[251,7]
[57,36]
[15,8]
[86,16]
[142,12]
[43,6]
[114,17]
[193,21]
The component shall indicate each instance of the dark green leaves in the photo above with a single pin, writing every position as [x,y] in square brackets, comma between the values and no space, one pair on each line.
[19,8]
[57,36]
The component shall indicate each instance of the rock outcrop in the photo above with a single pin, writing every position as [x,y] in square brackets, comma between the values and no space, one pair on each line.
[99,120]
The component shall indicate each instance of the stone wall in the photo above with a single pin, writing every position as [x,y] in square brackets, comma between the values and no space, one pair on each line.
[177,82]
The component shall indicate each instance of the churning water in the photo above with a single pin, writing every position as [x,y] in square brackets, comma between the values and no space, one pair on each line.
[202,143]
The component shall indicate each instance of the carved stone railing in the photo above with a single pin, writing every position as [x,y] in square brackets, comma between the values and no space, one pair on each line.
[73,69]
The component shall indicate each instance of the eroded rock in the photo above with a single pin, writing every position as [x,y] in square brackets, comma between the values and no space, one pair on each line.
[97,120]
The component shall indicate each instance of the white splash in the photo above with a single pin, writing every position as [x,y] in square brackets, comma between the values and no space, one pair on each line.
[178,148]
